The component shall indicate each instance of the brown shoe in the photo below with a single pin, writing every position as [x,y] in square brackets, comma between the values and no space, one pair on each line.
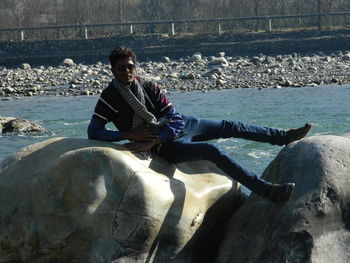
[297,134]
[280,193]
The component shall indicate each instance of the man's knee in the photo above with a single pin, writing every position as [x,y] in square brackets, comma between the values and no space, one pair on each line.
[209,151]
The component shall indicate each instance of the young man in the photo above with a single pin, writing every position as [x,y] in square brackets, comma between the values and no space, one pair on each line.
[145,117]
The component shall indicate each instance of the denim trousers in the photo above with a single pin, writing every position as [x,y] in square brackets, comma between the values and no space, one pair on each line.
[191,146]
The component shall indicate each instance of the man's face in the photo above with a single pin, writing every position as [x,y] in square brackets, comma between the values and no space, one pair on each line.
[124,70]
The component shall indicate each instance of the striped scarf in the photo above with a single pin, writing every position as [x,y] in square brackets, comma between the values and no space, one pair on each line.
[142,117]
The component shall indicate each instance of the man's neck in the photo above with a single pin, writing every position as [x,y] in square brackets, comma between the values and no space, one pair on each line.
[126,85]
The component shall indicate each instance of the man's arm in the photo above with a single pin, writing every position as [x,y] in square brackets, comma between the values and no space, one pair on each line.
[176,123]
[97,131]
[167,132]
[173,128]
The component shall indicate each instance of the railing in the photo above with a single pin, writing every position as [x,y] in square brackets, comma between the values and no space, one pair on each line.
[215,25]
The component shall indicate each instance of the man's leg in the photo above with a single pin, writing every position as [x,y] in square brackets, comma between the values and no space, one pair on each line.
[206,129]
[177,152]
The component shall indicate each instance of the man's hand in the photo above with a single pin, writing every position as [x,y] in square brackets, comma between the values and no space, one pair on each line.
[140,135]
[141,146]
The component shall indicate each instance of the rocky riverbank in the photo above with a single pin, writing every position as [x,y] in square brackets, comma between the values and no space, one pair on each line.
[195,72]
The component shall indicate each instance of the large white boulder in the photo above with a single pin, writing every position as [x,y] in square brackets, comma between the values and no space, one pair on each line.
[314,225]
[78,200]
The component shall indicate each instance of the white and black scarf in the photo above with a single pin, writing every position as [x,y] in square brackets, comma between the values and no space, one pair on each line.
[142,117]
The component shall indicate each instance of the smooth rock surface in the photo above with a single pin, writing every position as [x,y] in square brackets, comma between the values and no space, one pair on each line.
[314,225]
[78,200]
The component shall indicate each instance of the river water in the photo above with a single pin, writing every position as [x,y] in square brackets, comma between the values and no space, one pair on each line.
[328,107]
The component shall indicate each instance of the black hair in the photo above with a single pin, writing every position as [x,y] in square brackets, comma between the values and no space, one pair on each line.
[120,53]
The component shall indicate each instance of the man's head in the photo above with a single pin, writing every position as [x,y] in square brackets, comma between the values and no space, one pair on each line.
[123,64]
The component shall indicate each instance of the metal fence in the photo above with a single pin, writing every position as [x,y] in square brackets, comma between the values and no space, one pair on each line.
[174,27]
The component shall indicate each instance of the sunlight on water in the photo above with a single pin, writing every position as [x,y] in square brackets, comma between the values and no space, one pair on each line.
[259,154]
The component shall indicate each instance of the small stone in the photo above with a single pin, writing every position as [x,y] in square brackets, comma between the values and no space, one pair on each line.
[256,60]
[220,82]
[68,62]
[334,80]
[213,71]
[346,57]
[85,92]
[173,75]
[288,83]
[196,57]
[9,90]
[25,66]
[166,60]
[218,61]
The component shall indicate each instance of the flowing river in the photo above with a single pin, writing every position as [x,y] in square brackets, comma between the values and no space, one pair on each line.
[325,106]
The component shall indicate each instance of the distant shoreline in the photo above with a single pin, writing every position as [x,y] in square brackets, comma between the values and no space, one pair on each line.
[195,72]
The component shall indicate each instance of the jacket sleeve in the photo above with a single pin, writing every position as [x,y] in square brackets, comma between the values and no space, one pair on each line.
[175,121]
[174,126]
[97,131]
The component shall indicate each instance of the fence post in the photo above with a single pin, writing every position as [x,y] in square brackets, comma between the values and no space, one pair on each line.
[329,21]
[319,22]
[131,30]
[86,32]
[83,32]
[172,29]
[219,28]
[22,35]
[268,27]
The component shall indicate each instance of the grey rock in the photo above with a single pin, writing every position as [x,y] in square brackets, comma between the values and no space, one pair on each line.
[287,83]
[196,57]
[187,76]
[21,125]
[25,66]
[314,225]
[9,90]
[213,71]
[256,60]
[220,82]
[269,60]
[346,57]
[68,62]
[166,60]
[218,61]
[338,53]
[173,75]
[85,92]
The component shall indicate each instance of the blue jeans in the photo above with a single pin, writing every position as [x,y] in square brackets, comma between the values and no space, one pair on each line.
[190,147]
